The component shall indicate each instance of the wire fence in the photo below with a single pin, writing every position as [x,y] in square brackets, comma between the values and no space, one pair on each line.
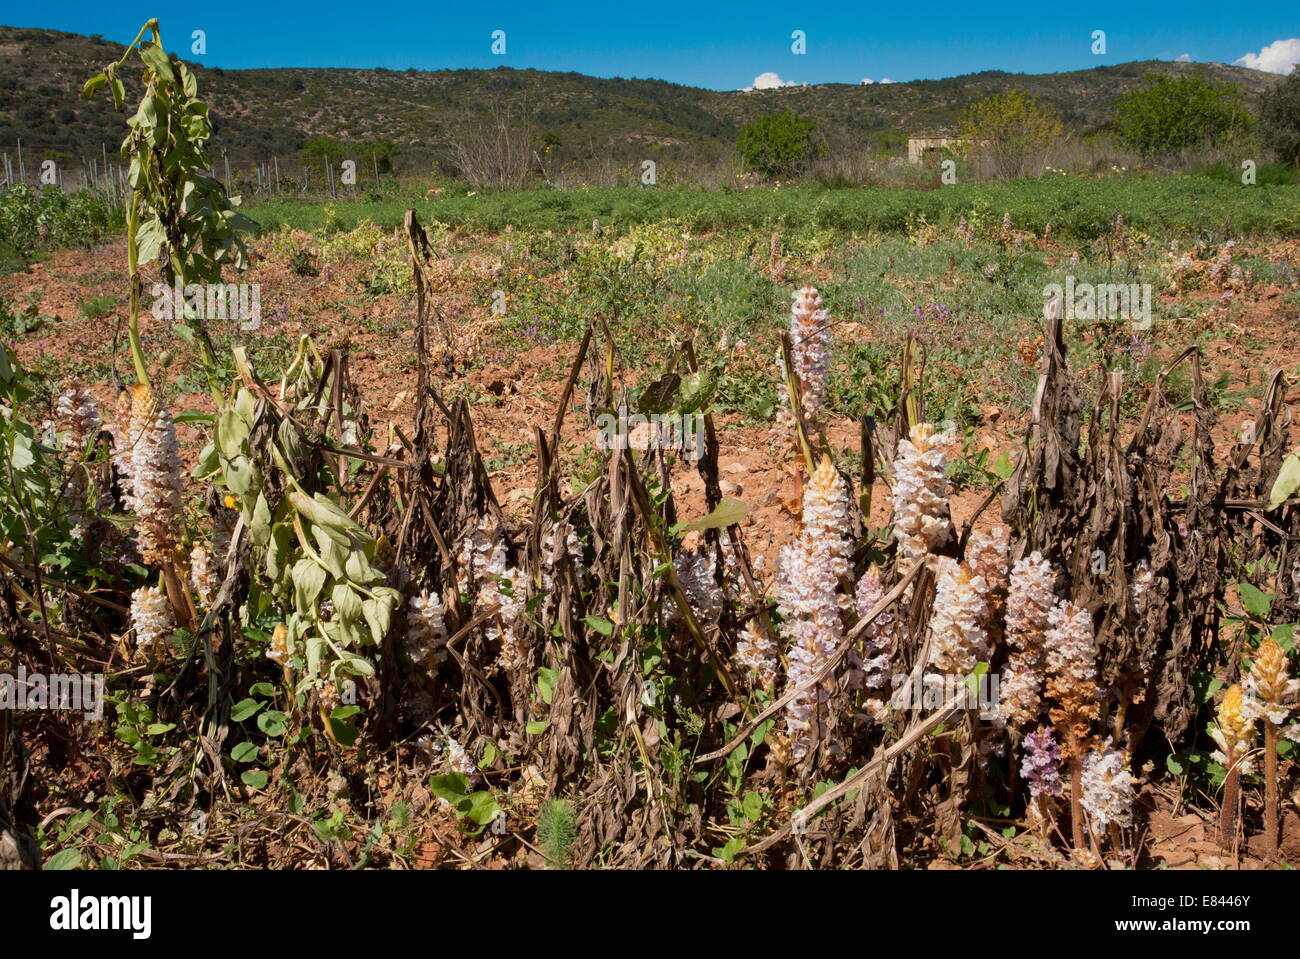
[274,176]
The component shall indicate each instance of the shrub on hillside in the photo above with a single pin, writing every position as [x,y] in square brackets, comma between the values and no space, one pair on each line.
[1279,119]
[1171,113]
[779,145]
[1013,130]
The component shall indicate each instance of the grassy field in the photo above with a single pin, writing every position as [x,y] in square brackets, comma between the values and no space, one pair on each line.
[1072,206]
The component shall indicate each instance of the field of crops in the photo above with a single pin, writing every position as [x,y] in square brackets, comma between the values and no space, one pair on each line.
[775,528]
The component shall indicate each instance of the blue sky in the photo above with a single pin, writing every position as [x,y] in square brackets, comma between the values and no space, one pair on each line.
[723,45]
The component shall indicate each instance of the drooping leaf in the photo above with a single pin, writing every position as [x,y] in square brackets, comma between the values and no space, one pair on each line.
[729,512]
[1287,482]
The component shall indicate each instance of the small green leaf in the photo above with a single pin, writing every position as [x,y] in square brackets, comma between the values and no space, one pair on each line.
[244,709]
[480,807]
[546,680]
[453,787]
[255,778]
[65,859]
[345,732]
[91,86]
[1257,602]
[273,722]
[1002,466]
[244,753]
[727,513]
[193,416]
[728,852]
[602,626]
[1287,482]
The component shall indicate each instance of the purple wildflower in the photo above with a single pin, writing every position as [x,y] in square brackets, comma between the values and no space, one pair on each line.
[1041,764]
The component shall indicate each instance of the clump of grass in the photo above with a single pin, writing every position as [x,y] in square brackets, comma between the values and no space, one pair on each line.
[98,307]
[557,828]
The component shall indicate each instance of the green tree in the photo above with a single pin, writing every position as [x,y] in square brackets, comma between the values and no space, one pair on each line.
[380,154]
[1013,130]
[1171,113]
[779,145]
[1279,119]
[323,148]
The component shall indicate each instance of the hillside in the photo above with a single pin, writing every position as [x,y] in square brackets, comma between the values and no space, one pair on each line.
[272,111]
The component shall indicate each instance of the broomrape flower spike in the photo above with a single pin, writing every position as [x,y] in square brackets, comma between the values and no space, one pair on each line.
[151,459]
[921,521]
[1234,733]
[76,422]
[1108,788]
[958,641]
[1071,668]
[1274,693]
[811,340]
[77,416]
[151,618]
[808,577]
[1030,599]
[458,759]
[133,410]
[1072,683]
[426,630]
[280,649]
[695,572]
[1272,689]
[1235,736]
[1040,766]
[203,574]
[878,638]
[757,653]
[826,515]
[986,555]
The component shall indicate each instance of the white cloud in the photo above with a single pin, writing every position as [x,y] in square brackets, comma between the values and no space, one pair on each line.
[770,81]
[867,81]
[1183,58]
[886,80]
[1280,56]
